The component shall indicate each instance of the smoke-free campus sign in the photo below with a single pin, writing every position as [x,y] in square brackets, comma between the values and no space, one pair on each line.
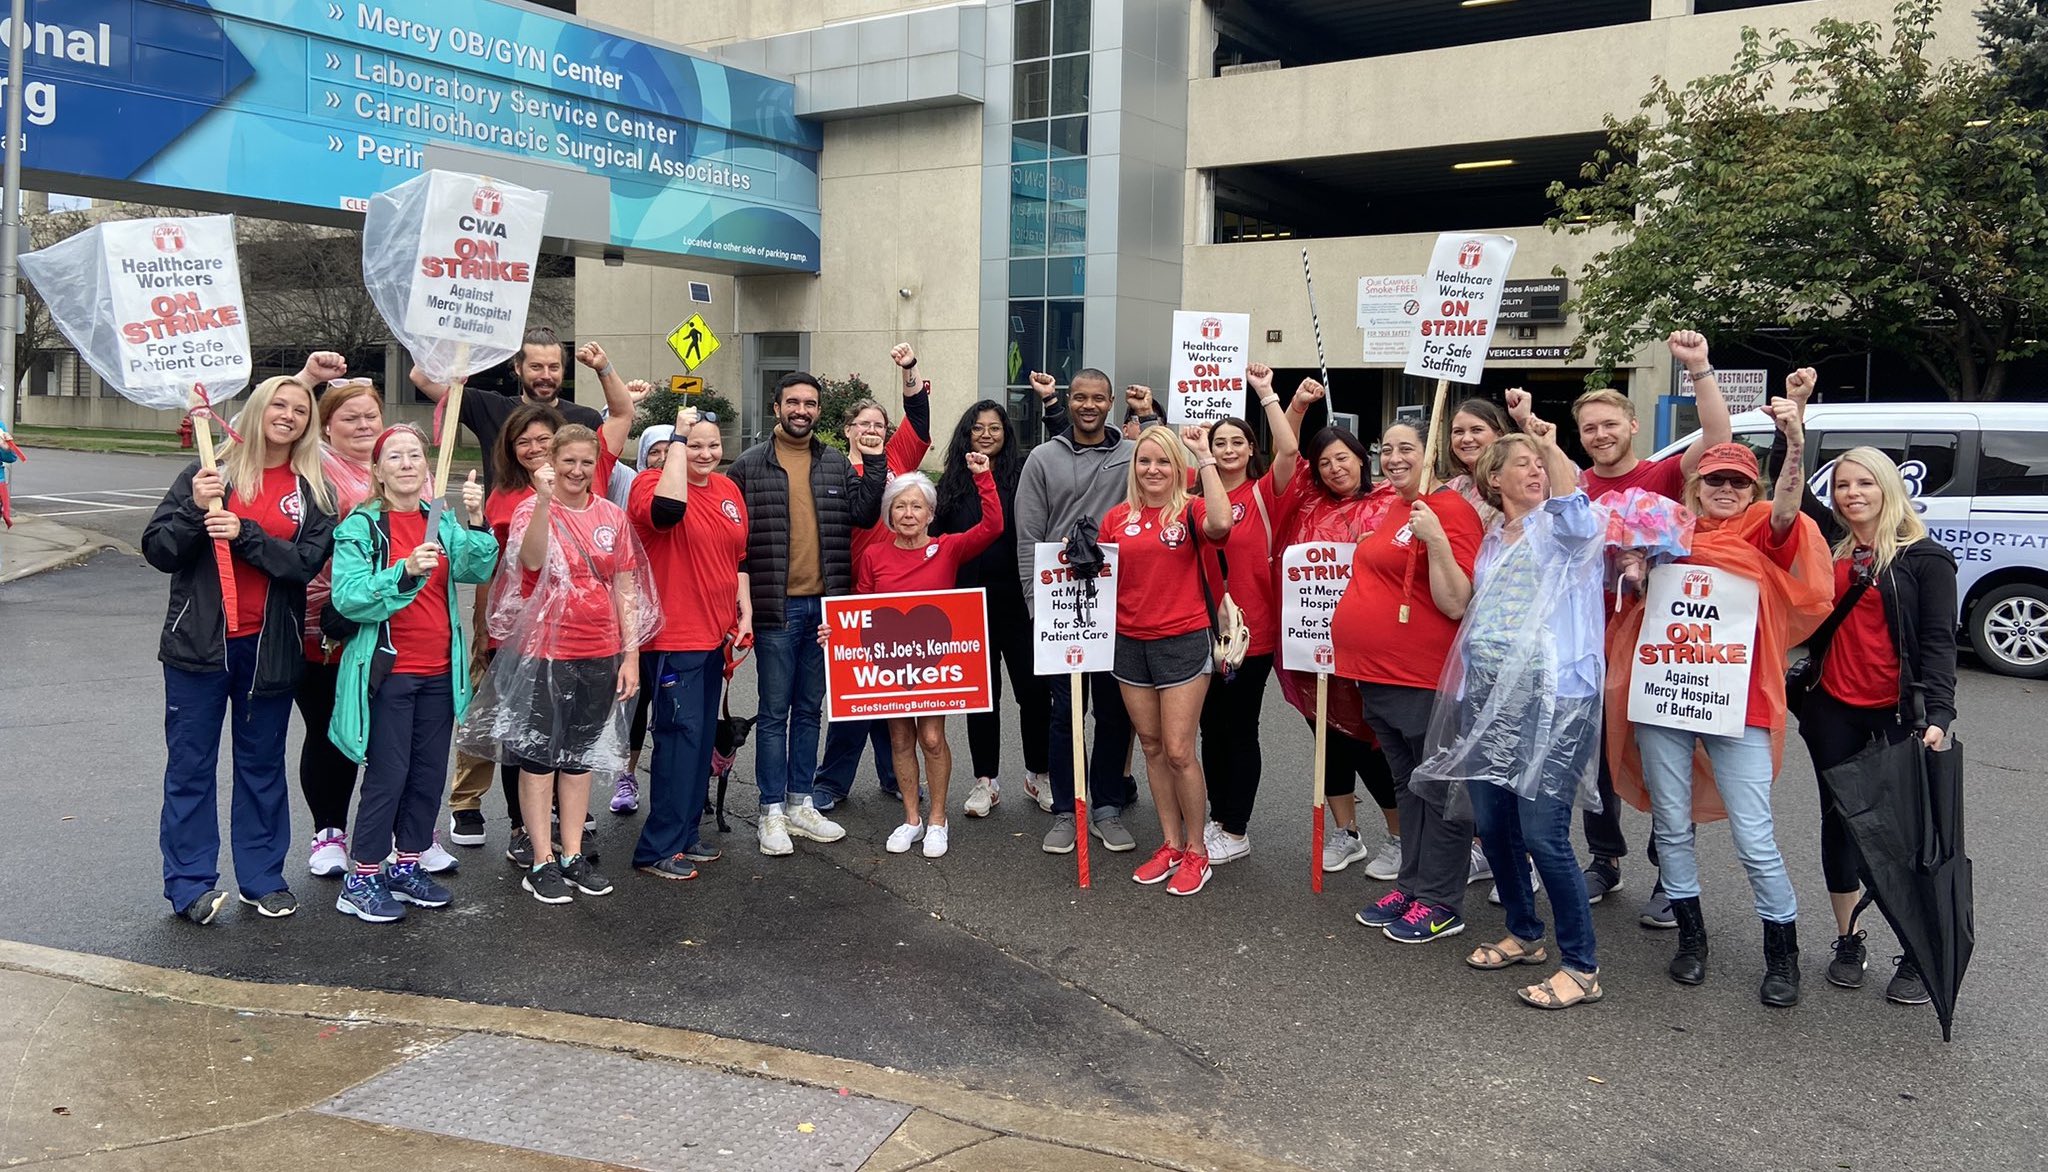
[1461,292]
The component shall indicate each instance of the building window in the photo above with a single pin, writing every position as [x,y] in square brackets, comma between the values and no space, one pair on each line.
[1048,196]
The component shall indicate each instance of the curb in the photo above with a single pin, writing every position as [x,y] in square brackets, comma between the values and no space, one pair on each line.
[84,543]
[1107,1134]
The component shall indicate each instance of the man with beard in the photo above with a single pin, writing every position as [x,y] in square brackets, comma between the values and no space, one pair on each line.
[1081,472]
[803,504]
[539,368]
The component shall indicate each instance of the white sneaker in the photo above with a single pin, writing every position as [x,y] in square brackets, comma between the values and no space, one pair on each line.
[434,860]
[904,837]
[806,822]
[1038,787]
[1535,886]
[935,842]
[986,794]
[1223,846]
[330,853]
[773,833]
[1341,848]
[1482,871]
[1386,861]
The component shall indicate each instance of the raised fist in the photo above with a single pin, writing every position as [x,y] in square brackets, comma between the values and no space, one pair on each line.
[638,389]
[326,365]
[902,355]
[869,443]
[1196,437]
[1043,384]
[1519,406]
[1307,395]
[544,482]
[591,355]
[1139,399]
[1260,376]
[977,463]
[1689,347]
[1800,383]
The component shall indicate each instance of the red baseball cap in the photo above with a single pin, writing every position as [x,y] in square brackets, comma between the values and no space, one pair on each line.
[1729,457]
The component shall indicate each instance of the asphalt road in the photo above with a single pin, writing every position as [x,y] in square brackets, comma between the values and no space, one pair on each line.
[108,492]
[1257,1012]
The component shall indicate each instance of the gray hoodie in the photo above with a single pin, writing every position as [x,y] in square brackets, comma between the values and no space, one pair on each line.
[1062,481]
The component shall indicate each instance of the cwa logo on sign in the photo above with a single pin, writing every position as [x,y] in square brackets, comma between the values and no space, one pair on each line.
[1698,584]
[1470,254]
[168,238]
[487,201]
[1212,327]
[1075,656]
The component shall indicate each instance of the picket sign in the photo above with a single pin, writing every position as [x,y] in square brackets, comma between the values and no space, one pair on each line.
[1313,576]
[1073,633]
[1691,665]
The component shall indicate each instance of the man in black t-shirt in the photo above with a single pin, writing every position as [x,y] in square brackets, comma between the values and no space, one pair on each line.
[539,368]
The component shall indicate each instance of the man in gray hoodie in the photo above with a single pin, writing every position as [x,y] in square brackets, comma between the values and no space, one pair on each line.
[1082,472]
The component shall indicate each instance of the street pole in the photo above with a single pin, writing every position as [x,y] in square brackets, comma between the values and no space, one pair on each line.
[10,215]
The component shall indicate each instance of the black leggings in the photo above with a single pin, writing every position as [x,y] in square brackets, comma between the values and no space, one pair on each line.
[1010,638]
[1835,732]
[327,777]
[1230,741]
[1346,759]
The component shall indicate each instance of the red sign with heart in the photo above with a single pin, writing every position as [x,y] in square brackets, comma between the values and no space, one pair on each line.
[906,655]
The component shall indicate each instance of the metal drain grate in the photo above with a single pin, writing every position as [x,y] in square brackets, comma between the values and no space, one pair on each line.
[640,1113]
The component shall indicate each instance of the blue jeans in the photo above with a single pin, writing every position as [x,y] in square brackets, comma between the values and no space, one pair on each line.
[1107,793]
[685,686]
[260,817]
[1511,826]
[1742,773]
[845,741]
[791,667]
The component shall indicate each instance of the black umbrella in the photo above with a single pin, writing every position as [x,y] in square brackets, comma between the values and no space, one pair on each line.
[1904,806]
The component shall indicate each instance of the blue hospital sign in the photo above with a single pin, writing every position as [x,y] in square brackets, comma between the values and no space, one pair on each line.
[322,104]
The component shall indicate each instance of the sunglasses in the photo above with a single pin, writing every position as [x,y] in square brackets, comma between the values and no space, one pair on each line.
[348,382]
[1726,480]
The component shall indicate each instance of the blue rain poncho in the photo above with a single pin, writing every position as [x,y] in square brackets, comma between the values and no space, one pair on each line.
[1519,702]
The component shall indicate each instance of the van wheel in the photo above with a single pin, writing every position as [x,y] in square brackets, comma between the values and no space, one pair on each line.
[2009,630]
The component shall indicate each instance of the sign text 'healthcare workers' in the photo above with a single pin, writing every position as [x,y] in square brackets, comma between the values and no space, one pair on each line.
[321,103]
[1461,293]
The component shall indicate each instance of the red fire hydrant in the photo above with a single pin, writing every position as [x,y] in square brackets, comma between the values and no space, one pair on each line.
[185,432]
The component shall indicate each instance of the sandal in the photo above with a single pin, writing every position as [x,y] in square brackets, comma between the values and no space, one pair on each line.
[1553,994]
[1507,954]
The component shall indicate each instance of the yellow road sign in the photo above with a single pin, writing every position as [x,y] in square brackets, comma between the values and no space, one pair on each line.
[693,342]
[683,384]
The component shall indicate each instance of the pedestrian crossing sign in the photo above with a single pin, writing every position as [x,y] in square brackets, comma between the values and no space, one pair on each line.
[693,342]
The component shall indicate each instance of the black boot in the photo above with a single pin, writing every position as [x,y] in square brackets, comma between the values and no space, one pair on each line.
[1689,964]
[1781,965]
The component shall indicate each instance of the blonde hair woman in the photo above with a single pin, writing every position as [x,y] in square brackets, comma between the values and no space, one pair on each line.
[277,524]
[1887,670]
[1163,655]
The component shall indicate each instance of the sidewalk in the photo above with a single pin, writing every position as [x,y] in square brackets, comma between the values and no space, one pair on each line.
[33,545]
[121,1066]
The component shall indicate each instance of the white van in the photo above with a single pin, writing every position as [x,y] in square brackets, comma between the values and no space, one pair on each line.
[1979,477]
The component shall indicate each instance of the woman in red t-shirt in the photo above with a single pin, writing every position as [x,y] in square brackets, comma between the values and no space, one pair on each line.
[913,560]
[573,603]
[351,418]
[1410,581]
[270,509]
[1163,651]
[404,674]
[1231,763]
[693,523]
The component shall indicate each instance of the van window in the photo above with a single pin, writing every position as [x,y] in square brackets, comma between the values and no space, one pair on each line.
[1926,459]
[2014,463]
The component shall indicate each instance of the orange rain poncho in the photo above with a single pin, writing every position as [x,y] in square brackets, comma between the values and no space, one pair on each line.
[1791,603]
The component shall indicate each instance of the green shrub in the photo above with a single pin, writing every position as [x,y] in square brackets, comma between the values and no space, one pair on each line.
[662,404]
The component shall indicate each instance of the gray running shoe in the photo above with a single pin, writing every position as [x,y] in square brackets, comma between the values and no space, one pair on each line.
[1112,833]
[1060,839]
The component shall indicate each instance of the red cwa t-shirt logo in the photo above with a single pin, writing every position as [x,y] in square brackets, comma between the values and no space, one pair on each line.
[293,506]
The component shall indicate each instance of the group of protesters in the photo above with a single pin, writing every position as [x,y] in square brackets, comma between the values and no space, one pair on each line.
[1482,644]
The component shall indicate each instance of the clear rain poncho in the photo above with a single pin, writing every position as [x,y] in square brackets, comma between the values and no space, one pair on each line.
[1519,702]
[549,697]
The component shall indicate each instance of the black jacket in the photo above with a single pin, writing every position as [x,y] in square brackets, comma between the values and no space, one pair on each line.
[993,569]
[1919,594]
[195,624]
[843,502]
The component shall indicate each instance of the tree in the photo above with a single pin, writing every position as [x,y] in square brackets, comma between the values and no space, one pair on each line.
[2015,40]
[1887,202]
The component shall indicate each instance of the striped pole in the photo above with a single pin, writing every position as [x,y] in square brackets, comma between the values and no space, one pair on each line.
[1322,361]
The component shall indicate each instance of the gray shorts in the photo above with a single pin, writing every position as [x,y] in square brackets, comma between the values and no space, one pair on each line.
[1162,663]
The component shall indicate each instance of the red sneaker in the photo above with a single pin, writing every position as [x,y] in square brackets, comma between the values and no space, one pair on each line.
[1192,876]
[1164,861]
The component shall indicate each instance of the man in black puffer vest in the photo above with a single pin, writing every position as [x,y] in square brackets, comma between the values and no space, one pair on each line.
[804,501]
